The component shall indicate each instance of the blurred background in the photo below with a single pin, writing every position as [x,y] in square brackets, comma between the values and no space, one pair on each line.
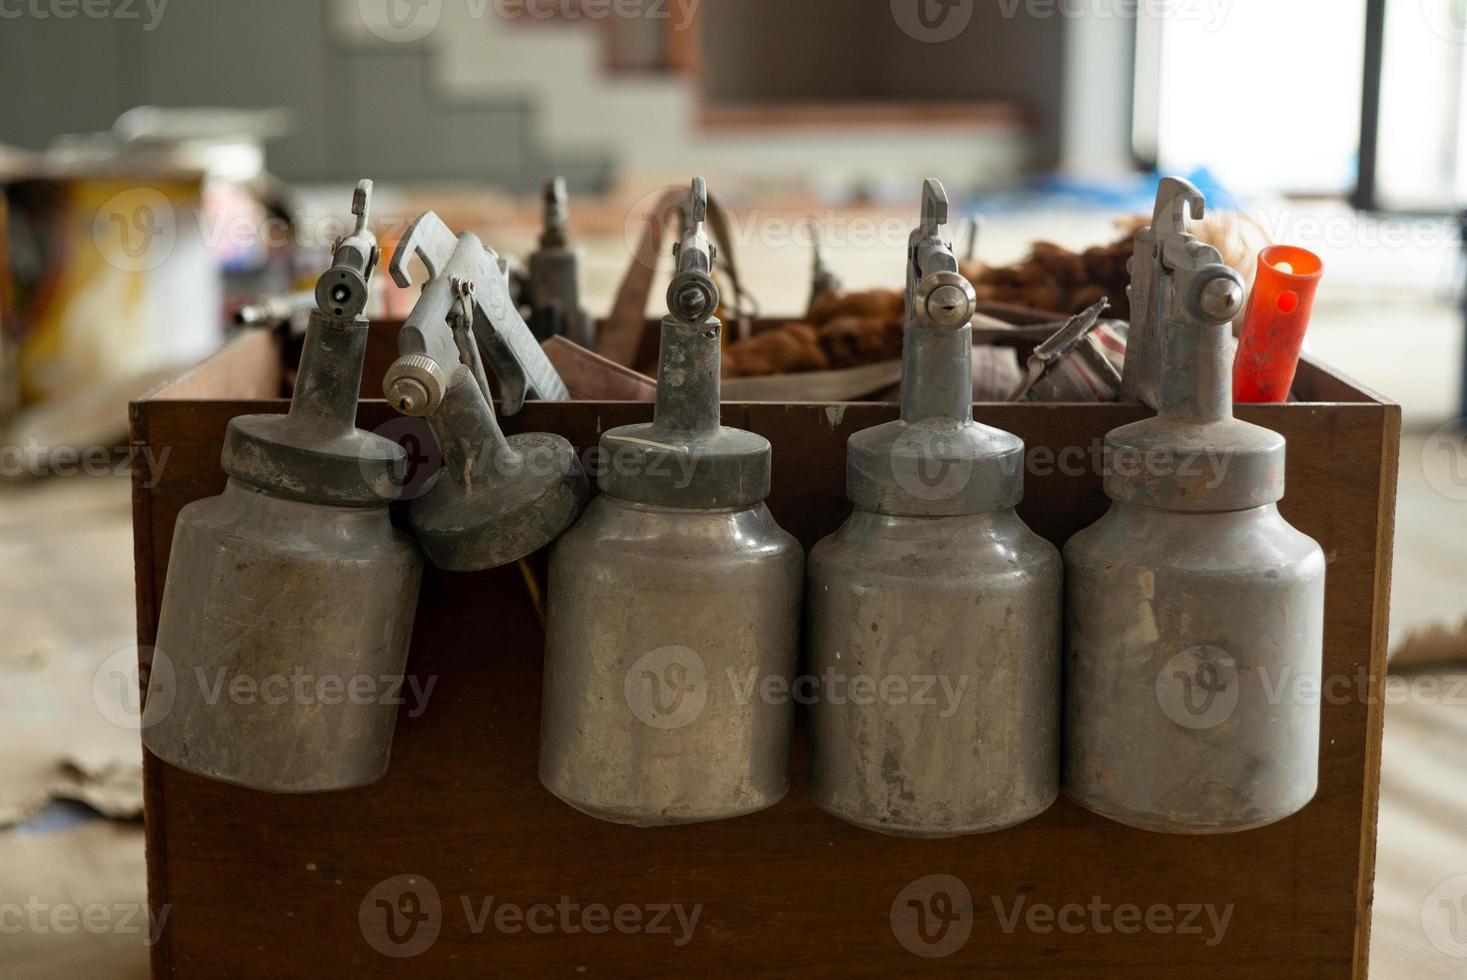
[165,164]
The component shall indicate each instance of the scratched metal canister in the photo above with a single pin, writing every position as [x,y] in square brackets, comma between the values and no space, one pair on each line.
[1195,612]
[673,602]
[289,605]
[934,612]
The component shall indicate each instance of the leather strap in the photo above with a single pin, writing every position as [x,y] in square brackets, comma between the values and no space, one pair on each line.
[626,336]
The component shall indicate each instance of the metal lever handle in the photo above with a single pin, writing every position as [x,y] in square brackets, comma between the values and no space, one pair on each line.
[937,371]
[938,296]
[342,290]
[693,295]
[504,338]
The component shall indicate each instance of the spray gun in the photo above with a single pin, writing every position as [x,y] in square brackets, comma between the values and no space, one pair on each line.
[499,498]
[554,277]
[887,467]
[1176,279]
[677,558]
[504,339]
[1192,581]
[256,575]
[944,575]
[692,295]
[940,304]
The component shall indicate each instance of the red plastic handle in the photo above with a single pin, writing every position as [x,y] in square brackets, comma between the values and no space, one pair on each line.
[1274,326]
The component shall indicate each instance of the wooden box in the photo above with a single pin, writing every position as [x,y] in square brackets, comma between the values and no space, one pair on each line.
[504,880]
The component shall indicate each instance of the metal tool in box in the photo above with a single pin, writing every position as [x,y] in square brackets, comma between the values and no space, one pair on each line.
[1195,612]
[498,499]
[554,276]
[293,583]
[935,579]
[675,587]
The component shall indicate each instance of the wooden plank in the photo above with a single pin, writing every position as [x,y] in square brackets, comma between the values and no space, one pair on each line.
[273,886]
[1387,465]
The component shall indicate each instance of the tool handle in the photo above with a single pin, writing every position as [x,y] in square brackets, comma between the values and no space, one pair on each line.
[688,382]
[330,372]
[342,289]
[1277,319]
[693,295]
[937,370]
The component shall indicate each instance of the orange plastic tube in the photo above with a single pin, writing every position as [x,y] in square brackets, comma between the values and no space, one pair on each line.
[1274,326]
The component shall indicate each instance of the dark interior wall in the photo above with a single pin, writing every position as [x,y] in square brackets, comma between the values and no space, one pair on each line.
[793,51]
[806,51]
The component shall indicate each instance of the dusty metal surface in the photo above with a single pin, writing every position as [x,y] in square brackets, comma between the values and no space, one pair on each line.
[936,599]
[503,336]
[496,499]
[292,588]
[1194,612]
[935,460]
[674,603]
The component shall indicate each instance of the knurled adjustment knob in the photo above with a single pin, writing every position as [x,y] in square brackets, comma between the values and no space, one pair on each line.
[415,385]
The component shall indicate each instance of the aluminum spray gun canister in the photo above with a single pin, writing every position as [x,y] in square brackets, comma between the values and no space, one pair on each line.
[674,601]
[935,599]
[497,499]
[292,588]
[554,276]
[1195,613]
